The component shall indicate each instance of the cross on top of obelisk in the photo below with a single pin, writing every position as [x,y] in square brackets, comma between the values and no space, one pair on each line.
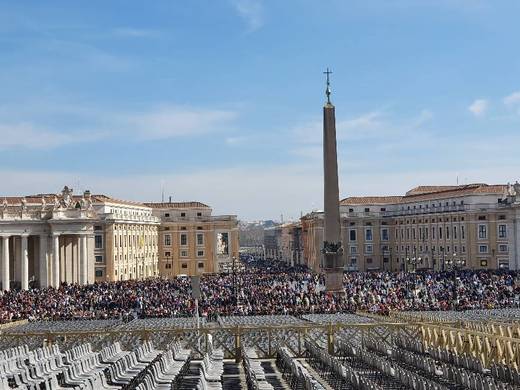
[327,91]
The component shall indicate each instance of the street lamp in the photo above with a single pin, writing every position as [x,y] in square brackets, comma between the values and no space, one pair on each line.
[455,264]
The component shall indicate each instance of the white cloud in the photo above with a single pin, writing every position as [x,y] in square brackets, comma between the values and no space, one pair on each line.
[251,11]
[479,107]
[26,135]
[513,101]
[174,121]
[130,32]
[163,122]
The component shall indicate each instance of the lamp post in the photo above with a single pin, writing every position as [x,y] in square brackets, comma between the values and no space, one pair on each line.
[454,264]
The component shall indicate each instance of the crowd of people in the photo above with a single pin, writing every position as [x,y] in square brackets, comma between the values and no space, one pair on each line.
[265,288]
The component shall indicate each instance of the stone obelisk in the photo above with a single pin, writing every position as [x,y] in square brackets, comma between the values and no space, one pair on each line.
[332,261]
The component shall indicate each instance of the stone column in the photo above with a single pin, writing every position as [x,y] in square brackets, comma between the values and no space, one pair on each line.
[5,263]
[24,274]
[56,260]
[82,259]
[44,272]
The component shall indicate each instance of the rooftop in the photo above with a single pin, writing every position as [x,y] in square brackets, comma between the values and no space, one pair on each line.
[177,205]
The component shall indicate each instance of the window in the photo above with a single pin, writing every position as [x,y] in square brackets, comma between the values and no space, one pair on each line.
[199,228]
[350,210]
[167,254]
[482,232]
[481,217]
[352,234]
[384,234]
[353,261]
[463,249]
[167,240]
[383,208]
[184,265]
[483,249]
[502,248]
[501,217]
[99,273]
[200,239]
[98,240]
[98,228]
[367,210]
[168,266]
[368,235]
[483,263]
[447,232]
[183,215]
[413,233]
[353,249]
[455,232]
[440,232]
[99,259]
[200,265]
[184,253]
[166,215]
[368,248]
[199,214]
[183,227]
[184,239]
[200,253]
[502,231]
[433,233]
[462,232]
[369,260]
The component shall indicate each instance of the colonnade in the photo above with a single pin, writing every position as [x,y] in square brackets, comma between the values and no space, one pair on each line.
[52,263]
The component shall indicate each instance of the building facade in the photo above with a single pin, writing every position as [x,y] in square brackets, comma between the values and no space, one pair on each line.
[284,243]
[49,239]
[476,225]
[193,241]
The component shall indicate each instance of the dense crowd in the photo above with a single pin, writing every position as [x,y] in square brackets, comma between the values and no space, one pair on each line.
[264,288]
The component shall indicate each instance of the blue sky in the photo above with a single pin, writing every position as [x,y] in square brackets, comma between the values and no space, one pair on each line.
[220,100]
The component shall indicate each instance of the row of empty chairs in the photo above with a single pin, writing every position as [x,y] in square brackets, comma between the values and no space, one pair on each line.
[255,373]
[428,372]
[338,375]
[337,318]
[294,373]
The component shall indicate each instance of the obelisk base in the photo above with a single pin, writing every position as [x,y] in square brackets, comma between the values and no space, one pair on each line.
[334,280]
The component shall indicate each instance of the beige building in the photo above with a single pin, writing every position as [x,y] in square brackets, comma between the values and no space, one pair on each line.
[192,240]
[48,239]
[477,224]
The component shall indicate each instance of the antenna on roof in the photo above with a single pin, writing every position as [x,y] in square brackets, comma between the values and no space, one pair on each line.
[162,191]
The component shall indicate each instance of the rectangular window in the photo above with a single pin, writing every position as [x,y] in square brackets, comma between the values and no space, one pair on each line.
[184,239]
[384,234]
[433,233]
[353,249]
[455,232]
[447,232]
[462,232]
[483,249]
[502,248]
[167,254]
[98,241]
[502,231]
[200,253]
[199,214]
[184,265]
[184,253]
[440,232]
[168,266]
[99,259]
[183,215]
[167,240]
[98,228]
[200,239]
[353,261]
[368,249]
[166,215]
[463,249]
[482,232]
[99,273]
[200,265]
[413,233]
[368,235]
[352,234]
